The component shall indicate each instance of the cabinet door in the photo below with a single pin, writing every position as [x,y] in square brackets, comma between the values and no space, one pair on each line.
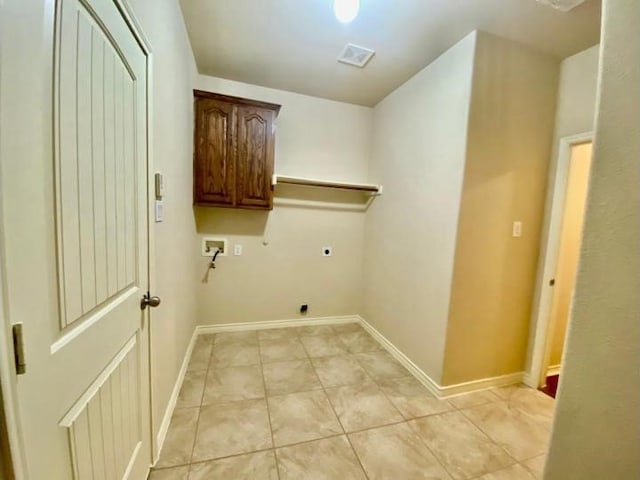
[214,165]
[254,147]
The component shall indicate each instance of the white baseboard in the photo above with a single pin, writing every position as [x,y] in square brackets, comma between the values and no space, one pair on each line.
[481,384]
[416,371]
[553,370]
[433,386]
[168,413]
[294,322]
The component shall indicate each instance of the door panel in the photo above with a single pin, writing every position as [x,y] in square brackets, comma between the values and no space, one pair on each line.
[255,156]
[95,167]
[104,425]
[73,157]
[215,174]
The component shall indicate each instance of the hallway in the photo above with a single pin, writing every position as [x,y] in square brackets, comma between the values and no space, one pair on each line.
[326,402]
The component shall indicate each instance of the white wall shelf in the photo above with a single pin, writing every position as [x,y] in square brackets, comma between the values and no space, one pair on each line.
[312,182]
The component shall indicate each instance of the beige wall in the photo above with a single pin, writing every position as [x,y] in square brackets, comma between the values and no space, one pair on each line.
[419,152]
[574,115]
[595,433]
[282,266]
[172,138]
[510,130]
[569,250]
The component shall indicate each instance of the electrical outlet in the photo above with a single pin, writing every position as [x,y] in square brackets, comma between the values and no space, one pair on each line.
[304,308]
[237,249]
[327,251]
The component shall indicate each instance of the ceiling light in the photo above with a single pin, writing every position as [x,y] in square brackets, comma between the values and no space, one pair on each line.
[346,10]
[562,5]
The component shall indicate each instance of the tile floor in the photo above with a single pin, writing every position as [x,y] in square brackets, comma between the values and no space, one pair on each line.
[327,402]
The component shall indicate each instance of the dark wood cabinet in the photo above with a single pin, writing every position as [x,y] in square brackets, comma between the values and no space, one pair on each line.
[233,151]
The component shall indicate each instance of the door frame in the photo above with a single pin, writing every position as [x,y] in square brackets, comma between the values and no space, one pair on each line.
[548,262]
[7,370]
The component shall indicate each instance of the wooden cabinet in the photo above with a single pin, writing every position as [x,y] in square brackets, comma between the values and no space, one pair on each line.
[233,151]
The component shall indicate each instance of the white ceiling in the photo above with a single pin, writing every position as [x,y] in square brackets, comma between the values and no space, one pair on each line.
[293,44]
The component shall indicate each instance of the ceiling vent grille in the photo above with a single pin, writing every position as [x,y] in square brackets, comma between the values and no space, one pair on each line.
[562,5]
[355,55]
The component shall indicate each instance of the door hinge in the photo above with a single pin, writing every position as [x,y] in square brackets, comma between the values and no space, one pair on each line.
[18,349]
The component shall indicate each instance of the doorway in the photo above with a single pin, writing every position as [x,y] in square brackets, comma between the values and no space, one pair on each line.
[568,258]
[561,260]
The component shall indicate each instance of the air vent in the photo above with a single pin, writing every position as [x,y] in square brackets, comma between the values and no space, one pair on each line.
[355,55]
[562,5]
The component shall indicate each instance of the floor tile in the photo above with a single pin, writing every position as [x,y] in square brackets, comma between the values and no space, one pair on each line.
[191,390]
[292,376]
[315,330]
[359,342]
[339,370]
[347,328]
[412,398]
[235,355]
[254,466]
[518,433]
[396,451]
[515,472]
[536,465]
[463,450]
[280,350]
[327,459]
[473,399]
[177,473]
[200,357]
[231,429]
[233,338]
[362,406]
[508,390]
[232,384]
[277,333]
[532,402]
[178,443]
[380,365]
[323,345]
[299,417]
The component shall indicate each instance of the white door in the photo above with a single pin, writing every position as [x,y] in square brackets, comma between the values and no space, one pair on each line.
[75,235]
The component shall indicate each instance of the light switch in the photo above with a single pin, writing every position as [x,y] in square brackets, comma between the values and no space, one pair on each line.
[159,184]
[237,249]
[517,228]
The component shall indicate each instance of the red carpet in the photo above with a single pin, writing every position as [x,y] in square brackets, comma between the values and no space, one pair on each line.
[552,385]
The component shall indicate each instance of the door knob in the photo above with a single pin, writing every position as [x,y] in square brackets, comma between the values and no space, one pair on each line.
[149,301]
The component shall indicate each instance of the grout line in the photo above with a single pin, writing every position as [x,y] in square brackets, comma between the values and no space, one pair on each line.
[266,401]
[204,389]
[344,430]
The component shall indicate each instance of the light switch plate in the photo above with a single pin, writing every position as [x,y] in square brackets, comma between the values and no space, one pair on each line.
[159,211]
[517,228]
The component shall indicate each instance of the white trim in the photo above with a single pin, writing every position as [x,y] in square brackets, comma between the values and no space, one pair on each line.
[548,263]
[433,386]
[168,413]
[481,384]
[416,371]
[296,322]
[553,370]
